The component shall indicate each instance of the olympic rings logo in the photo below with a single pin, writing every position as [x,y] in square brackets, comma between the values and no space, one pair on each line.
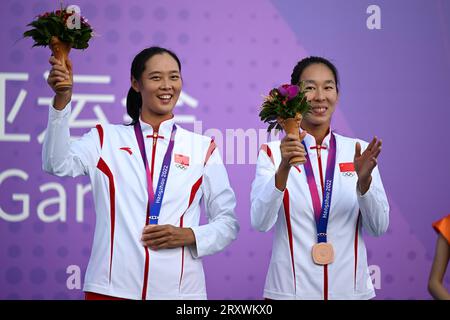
[348,174]
[180,166]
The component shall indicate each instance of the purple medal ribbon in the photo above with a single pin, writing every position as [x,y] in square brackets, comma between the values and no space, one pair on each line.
[321,213]
[154,206]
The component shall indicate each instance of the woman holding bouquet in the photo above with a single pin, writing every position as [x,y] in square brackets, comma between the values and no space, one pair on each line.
[319,206]
[147,180]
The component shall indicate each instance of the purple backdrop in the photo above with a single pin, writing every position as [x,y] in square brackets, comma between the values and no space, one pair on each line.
[394,61]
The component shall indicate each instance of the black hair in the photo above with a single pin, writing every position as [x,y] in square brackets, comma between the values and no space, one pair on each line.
[306,62]
[134,99]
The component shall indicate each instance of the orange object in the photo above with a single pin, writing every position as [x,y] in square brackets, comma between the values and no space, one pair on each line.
[443,227]
[61,51]
[292,126]
[323,253]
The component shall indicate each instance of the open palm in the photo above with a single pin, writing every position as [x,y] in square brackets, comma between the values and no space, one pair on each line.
[365,163]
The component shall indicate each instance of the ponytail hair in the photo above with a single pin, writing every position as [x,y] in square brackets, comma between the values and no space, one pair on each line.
[134,98]
[134,105]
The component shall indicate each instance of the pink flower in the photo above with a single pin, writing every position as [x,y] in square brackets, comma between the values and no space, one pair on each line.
[289,91]
[45,15]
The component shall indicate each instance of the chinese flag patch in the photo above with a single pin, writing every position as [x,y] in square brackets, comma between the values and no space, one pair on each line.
[183,160]
[346,167]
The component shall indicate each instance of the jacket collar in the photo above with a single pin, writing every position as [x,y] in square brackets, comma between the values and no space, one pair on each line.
[310,141]
[164,131]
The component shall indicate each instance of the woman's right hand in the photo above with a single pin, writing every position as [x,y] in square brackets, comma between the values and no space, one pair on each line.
[290,147]
[59,73]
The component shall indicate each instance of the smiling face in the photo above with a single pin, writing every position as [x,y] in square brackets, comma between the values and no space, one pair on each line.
[321,91]
[160,87]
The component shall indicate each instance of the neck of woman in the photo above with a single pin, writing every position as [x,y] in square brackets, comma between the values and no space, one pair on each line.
[155,119]
[319,132]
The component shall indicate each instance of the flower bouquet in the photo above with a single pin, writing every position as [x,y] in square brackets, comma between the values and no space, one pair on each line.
[61,30]
[284,109]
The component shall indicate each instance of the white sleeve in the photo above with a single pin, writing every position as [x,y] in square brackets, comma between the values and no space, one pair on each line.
[266,199]
[63,157]
[220,202]
[374,206]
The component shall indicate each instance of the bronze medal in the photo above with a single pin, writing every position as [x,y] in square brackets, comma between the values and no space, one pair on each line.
[323,253]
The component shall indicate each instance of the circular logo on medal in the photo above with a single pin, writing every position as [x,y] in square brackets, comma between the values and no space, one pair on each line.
[323,253]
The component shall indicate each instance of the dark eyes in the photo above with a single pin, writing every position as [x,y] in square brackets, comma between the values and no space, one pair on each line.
[157,78]
[309,88]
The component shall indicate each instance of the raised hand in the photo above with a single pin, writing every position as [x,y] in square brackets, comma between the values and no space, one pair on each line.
[365,163]
[290,147]
[59,73]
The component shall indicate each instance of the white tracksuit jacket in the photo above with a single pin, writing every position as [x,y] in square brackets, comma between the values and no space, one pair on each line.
[120,265]
[292,273]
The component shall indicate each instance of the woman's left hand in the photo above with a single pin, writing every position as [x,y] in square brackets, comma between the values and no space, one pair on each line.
[167,236]
[365,163]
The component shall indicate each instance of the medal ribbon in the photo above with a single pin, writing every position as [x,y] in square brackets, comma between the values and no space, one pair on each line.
[321,212]
[154,203]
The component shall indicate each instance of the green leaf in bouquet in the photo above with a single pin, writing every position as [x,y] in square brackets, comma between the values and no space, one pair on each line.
[53,24]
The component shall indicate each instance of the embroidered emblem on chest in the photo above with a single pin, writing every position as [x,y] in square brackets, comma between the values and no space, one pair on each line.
[181,161]
[347,169]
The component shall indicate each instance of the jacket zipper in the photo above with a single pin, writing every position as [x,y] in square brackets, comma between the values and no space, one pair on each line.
[147,256]
[155,139]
